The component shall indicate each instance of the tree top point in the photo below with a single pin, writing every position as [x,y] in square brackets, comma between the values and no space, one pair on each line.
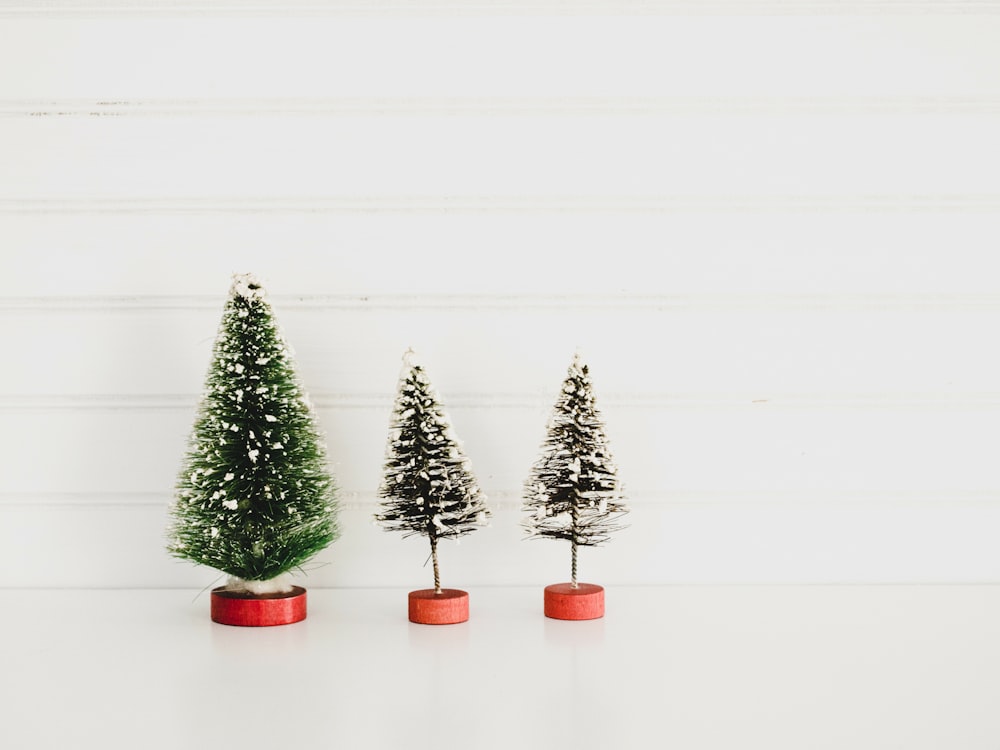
[410,361]
[247,285]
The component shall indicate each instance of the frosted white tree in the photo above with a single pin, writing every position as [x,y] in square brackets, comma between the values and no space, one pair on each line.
[428,487]
[573,492]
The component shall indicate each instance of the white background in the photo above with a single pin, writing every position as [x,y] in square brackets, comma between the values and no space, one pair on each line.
[771,229]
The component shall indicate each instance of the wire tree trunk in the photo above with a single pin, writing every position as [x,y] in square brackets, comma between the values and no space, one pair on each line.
[576,519]
[434,562]
[573,567]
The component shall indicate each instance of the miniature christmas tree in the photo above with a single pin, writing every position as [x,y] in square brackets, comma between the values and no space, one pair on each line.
[428,488]
[573,492]
[254,498]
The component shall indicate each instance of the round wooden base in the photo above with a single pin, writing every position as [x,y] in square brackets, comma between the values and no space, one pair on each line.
[447,608]
[585,602]
[258,610]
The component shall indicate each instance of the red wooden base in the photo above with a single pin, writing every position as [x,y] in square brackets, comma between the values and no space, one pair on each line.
[446,608]
[258,610]
[585,602]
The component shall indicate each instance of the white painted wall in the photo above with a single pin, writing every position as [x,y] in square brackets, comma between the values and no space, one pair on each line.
[771,227]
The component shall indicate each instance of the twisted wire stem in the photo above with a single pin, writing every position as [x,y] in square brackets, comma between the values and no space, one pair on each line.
[434,559]
[573,567]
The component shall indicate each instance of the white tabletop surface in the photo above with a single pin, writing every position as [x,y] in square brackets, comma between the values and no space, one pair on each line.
[668,667]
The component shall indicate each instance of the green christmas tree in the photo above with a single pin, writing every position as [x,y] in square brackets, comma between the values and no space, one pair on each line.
[573,492]
[428,487]
[254,498]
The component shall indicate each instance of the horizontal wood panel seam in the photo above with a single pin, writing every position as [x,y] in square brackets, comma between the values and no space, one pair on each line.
[492,106]
[348,500]
[506,500]
[253,8]
[504,204]
[186,402]
[515,302]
